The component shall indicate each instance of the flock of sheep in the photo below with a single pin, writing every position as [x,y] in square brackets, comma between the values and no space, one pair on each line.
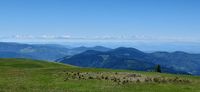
[122,77]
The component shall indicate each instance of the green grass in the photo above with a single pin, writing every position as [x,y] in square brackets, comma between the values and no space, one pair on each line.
[24,75]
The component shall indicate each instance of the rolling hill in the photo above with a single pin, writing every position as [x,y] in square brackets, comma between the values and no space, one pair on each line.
[133,59]
[179,60]
[49,52]
[81,49]
[120,58]
[25,75]
[102,57]
[40,52]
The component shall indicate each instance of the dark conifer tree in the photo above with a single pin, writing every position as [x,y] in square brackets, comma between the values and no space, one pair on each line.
[158,68]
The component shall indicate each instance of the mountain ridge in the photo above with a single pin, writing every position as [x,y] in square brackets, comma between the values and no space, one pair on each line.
[119,58]
[49,52]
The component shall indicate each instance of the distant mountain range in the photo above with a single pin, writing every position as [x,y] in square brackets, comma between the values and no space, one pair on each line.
[133,59]
[179,60]
[42,52]
[49,52]
[81,49]
[102,57]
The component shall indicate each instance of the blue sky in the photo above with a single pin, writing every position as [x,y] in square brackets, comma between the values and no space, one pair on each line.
[119,20]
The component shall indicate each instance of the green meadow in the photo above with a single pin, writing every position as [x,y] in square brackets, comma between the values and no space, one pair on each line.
[24,75]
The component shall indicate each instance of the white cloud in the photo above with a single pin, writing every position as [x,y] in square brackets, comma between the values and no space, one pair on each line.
[123,38]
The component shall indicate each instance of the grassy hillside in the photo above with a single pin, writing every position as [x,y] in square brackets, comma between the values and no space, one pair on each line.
[23,75]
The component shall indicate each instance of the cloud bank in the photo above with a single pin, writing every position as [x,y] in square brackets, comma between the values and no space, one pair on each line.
[133,38]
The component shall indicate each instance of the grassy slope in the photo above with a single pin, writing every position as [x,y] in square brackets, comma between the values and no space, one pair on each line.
[23,75]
